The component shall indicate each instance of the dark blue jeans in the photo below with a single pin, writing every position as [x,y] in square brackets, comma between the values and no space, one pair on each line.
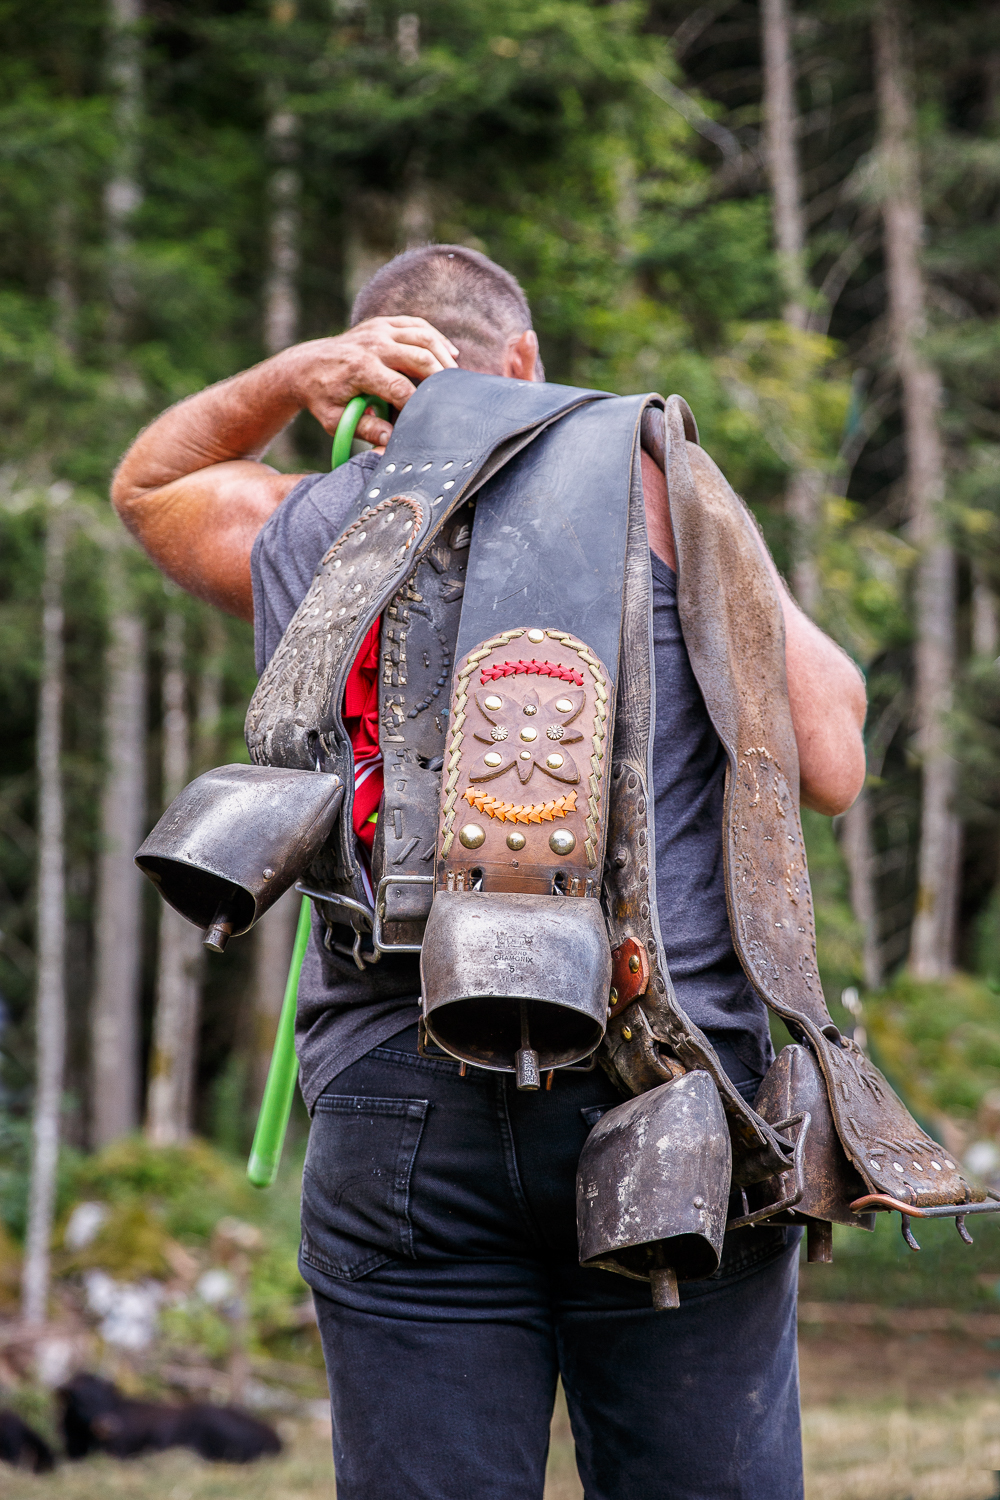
[439,1237]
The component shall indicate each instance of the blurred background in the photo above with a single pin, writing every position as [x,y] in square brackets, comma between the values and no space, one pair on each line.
[789,212]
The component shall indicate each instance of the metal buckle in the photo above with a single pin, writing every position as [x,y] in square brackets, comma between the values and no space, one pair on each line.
[361,919]
[803,1120]
[378,916]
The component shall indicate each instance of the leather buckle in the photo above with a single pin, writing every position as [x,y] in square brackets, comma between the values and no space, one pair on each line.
[378,916]
[803,1121]
[360,918]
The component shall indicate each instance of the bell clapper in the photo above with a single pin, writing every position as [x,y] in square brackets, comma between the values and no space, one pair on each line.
[526,1060]
[217,935]
[663,1282]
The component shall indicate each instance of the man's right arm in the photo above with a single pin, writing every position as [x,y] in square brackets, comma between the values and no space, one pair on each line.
[192,487]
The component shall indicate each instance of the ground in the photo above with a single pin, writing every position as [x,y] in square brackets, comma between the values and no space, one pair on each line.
[886,1417]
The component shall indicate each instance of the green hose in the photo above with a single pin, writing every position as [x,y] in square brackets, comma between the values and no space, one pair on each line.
[282,1075]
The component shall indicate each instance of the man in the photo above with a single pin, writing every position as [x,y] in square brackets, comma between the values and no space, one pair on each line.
[438,1203]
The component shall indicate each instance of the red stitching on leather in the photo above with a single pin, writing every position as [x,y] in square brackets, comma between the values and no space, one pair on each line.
[533,668]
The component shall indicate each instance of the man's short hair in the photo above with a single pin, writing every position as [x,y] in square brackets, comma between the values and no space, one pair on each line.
[469,298]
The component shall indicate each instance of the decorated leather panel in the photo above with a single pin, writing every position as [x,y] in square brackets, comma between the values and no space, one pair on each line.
[524,791]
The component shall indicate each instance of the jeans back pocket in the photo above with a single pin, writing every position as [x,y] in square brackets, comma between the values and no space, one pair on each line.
[356,1182]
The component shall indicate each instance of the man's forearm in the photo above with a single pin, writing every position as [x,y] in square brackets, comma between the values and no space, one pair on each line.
[192,489]
[238,418]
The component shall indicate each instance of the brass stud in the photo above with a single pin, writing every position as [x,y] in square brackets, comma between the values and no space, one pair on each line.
[525,754]
[536,637]
[627,1033]
[493,703]
[516,840]
[530,709]
[472,836]
[493,759]
[633,963]
[561,841]
[564,705]
[529,734]
[613,997]
[268,873]
[553,762]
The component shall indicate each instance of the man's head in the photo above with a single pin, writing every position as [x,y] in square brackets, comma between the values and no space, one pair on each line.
[470,299]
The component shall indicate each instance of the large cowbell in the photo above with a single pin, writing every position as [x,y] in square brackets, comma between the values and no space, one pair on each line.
[509,974]
[652,1188]
[235,839]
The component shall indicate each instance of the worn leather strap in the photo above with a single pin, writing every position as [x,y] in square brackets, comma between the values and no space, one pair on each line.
[735,639]
[654,1040]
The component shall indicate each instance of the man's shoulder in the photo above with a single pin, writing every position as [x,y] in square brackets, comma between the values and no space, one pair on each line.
[291,544]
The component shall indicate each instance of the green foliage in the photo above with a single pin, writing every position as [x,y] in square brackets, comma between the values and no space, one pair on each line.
[939,1040]
[881,1268]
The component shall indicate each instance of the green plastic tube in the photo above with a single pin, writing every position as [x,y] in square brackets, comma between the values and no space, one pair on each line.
[283,1073]
[348,424]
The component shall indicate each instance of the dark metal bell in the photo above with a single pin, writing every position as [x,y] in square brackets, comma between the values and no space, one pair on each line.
[235,839]
[793,1084]
[652,1187]
[516,983]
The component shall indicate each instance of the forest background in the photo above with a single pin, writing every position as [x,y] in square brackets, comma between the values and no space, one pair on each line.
[788,214]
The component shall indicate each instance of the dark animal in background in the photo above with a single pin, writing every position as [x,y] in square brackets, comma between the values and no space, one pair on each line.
[96,1417]
[22,1446]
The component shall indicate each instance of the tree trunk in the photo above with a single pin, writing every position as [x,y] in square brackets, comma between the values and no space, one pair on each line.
[122,194]
[985,624]
[50,1006]
[856,844]
[933,935]
[805,484]
[118,960]
[281,297]
[181,957]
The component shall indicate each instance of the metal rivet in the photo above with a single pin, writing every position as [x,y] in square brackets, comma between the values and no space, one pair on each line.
[699,1203]
[564,706]
[516,840]
[536,637]
[627,1033]
[268,873]
[936,1165]
[493,702]
[555,732]
[950,1164]
[499,732]
[633,963]
[493,759]
[406,468]
[472,836]
[525,754]
[390,468]
[553,762]
[530,709]
[613,997]
[916,1166]
[561,841]
[897,1166]
[529,734]
[373,494]
[425,467]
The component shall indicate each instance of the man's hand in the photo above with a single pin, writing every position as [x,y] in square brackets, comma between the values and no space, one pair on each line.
[192,488]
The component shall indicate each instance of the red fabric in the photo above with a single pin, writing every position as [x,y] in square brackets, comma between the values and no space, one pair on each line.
[361,723]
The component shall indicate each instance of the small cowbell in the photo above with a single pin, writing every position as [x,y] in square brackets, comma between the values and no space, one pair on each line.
[652,1187]
[235,839]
